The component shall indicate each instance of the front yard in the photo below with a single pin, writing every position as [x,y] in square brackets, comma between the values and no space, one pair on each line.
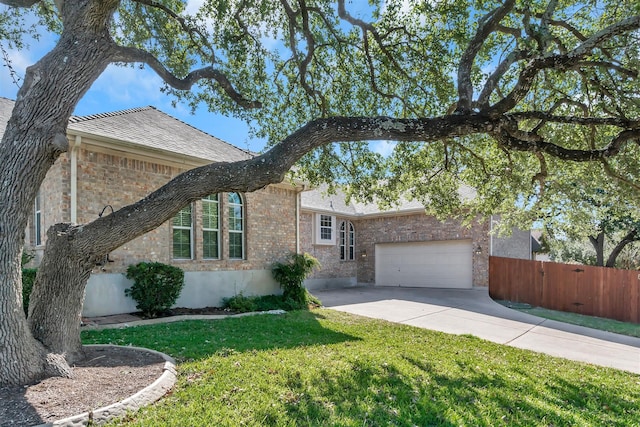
[329,368]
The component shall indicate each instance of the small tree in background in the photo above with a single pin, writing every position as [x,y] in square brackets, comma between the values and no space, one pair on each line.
[291,275]
[156,286]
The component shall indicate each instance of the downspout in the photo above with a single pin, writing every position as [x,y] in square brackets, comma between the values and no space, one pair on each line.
[303,187]
[74,179]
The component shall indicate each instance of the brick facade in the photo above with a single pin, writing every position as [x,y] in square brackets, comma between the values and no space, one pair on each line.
[392,228]
[328,255]
[112,179]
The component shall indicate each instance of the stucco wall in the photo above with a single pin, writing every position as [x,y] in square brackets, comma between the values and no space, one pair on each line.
[105,292]
[515,245]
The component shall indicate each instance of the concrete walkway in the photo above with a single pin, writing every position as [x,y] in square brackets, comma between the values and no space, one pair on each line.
[474,312]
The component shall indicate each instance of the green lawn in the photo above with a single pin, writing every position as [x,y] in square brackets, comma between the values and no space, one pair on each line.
[328,368]
[610,325]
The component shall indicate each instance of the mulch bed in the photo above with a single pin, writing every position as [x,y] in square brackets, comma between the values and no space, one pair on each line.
[107,375]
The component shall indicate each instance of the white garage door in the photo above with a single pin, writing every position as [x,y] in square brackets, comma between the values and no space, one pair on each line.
[440,264]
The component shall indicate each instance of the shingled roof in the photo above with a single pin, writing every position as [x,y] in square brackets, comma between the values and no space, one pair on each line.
[150,127]
[147,127]
[318,199]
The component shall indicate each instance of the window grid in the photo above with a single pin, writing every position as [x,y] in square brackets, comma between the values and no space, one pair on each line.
[211,227]
[183,234]
[236,226]
[347,241]
[325,227]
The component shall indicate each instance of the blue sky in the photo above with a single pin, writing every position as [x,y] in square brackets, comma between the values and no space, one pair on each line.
[121,88]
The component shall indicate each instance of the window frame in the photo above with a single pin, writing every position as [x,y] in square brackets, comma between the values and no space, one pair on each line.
[321,239]
[347,241]
[182,227]
[208,201]
[231,205]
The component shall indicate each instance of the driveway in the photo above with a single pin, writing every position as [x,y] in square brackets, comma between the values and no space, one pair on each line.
[474,312]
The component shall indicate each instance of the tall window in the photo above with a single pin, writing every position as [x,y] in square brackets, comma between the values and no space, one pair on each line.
[347,241]
[236,226]
[37,222]
[183,234]
[210,227]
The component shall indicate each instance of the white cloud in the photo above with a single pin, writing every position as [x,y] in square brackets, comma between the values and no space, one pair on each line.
[384,148]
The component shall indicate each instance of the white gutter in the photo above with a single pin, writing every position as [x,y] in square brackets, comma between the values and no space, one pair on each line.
[75,147]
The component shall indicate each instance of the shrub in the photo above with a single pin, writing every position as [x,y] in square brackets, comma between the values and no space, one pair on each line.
[291,275]
[240,303]
[156,286]
[28,277]
[244,304]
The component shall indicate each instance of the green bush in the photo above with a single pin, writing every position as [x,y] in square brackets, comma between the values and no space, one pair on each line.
[28,277]
[291,275]
[240,303]
[244,304]
[156,286]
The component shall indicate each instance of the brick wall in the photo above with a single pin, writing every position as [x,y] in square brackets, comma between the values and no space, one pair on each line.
[419,227]
[107,177]
[328,255]
[416,227]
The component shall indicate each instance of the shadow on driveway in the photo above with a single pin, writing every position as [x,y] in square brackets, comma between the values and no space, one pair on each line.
[473,312]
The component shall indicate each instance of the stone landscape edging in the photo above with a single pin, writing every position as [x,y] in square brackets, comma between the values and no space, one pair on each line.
[144,397]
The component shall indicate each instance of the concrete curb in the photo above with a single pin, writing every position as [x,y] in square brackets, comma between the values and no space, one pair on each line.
[144,397]
[175,319]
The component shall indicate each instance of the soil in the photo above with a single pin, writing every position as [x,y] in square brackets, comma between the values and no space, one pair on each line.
[107,375]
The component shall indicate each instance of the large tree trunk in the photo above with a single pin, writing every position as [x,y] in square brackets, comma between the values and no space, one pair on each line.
[598,245]
[22,358]
[631,236]
[34,138]
[56,302]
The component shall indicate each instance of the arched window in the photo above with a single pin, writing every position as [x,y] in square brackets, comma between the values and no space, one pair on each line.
[347,241]
[236,226]
[210,227]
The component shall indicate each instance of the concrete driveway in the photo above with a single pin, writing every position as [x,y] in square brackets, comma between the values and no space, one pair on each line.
[474,312]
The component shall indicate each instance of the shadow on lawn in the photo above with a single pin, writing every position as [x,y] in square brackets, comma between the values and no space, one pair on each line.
[197,339]
[371,393]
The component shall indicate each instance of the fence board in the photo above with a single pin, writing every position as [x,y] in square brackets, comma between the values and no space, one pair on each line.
[593,291]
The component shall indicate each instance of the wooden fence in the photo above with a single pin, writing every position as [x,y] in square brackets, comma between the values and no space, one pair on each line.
[594,291]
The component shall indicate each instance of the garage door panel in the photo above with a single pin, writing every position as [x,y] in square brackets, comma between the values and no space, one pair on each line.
[442,264]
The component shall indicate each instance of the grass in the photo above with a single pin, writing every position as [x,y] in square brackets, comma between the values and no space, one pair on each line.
[325,368]
[609,325]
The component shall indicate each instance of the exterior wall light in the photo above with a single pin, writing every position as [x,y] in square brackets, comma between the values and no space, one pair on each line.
[478,250]
[364,253]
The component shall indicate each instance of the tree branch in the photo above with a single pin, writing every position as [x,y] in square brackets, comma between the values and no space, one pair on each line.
[488,24]
[518,140]
[631,236]
[585,121]
[269,168]
[19,3]
[561,62]
[129,54]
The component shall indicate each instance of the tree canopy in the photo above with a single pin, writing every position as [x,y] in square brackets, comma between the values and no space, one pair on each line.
[513,98]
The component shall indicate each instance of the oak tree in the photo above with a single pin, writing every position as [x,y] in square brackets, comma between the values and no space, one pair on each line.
[497,95]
